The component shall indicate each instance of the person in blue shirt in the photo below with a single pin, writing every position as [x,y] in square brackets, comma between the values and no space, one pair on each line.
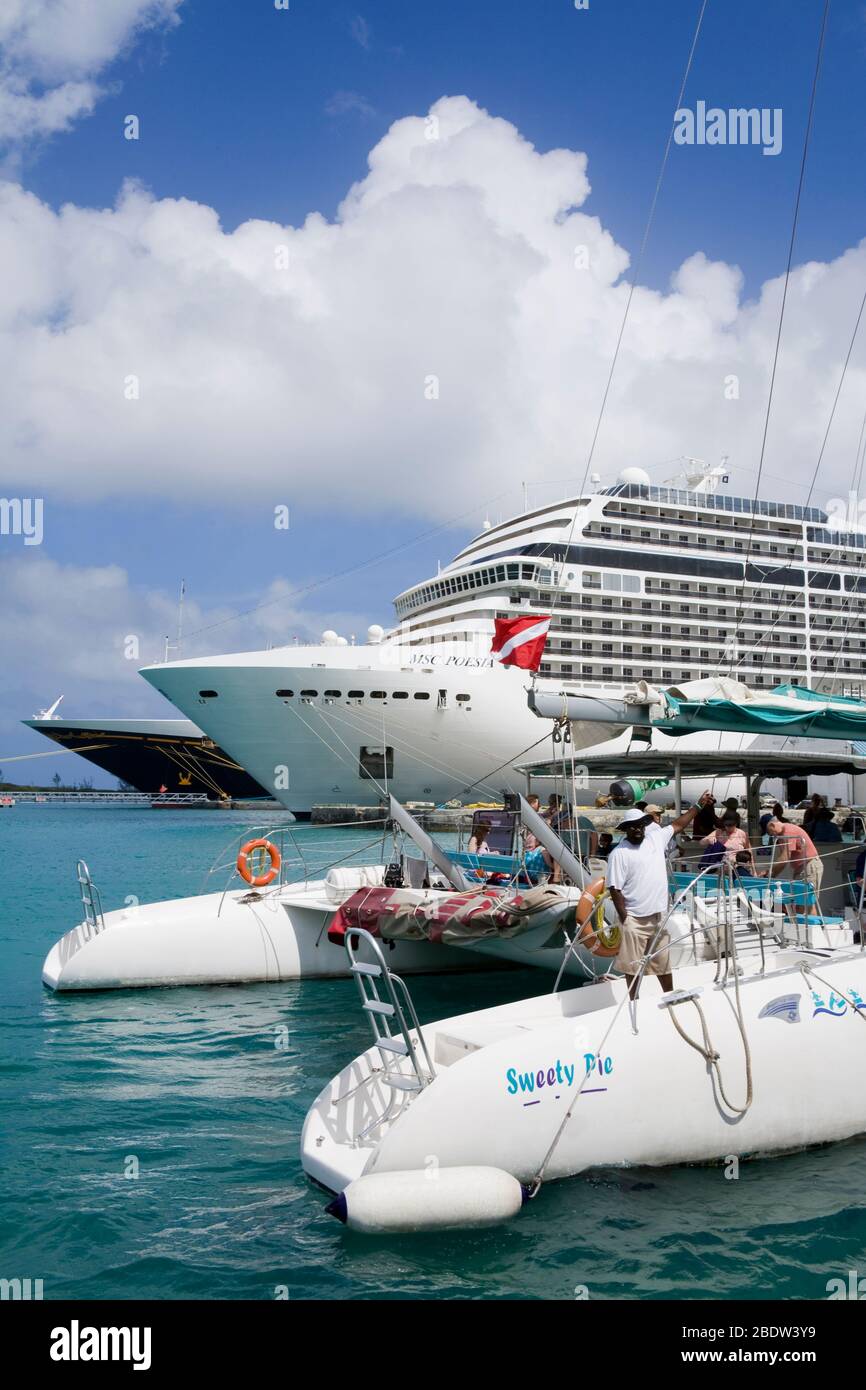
[825,831]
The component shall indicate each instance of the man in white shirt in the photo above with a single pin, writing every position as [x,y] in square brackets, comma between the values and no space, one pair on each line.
[637,877]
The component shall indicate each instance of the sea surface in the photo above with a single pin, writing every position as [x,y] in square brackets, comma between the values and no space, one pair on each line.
[188,1088]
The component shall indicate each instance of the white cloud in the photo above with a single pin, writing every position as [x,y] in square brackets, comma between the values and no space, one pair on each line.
[65,628]
[343,103]
[53,52]
[296,363]
[360,30]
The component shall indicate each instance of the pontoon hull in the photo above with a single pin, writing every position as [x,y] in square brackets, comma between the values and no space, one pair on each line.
[217,939]
[506,1078]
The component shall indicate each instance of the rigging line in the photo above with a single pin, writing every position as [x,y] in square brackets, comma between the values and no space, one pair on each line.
[342,574]
[55,752]
[493,772]
[789,607]
[794,224]
[350,761]
[409,748]
[407,732]
[861,451]
[840,546]
[817,468]
[643,245]
[191,769]
[632,285]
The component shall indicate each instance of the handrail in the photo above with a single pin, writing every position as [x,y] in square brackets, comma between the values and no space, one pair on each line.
[91,900]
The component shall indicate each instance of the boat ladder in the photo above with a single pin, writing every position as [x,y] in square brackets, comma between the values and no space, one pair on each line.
[393,1020]
[91,902]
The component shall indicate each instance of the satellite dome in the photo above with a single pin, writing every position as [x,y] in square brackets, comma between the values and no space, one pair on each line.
[375,633]
[330,638]
[342,641]
[634,475]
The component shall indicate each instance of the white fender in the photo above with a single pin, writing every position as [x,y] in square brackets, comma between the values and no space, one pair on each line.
[428,1200]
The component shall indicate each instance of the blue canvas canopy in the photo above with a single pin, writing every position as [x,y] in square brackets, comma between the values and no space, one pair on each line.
[716,703]
[788,709]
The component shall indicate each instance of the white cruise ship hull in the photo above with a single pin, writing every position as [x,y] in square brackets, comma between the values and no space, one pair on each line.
[453,729]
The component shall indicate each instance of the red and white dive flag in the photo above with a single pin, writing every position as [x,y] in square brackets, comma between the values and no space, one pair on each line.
[520,641]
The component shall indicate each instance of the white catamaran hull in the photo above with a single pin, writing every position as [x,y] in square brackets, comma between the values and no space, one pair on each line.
[506,1077]
[216,938]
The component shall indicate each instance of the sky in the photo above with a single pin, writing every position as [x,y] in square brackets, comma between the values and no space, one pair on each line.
[368,264]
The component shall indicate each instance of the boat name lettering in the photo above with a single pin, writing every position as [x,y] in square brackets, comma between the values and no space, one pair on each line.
[560,1074]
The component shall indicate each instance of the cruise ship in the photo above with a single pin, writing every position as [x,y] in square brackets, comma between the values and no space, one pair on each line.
[151,755]
[664,583]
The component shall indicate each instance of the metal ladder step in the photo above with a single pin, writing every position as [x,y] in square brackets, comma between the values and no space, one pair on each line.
[404,1083]
[396,1030]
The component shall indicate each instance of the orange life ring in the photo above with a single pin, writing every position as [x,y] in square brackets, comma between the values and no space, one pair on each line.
[262,880]
[593,933]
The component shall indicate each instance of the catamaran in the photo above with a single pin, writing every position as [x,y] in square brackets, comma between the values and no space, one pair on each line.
[437,909]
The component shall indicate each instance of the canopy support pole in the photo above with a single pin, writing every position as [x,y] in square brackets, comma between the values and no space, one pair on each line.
[678,786]
[753,803]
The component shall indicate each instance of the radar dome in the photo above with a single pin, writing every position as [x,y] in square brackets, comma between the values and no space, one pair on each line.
[634,475]
[329,638]
[375,633]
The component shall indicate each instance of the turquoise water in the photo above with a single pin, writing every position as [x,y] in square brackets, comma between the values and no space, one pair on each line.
[190,1086]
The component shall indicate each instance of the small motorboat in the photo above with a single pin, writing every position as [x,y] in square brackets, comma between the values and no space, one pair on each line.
[758,1050]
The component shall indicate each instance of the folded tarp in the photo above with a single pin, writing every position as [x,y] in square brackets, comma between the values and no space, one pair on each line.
[419,914]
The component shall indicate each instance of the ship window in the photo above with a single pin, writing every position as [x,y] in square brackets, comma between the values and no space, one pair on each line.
[208,694]
[284,694]
[334,694]
[400,695]
[421,695]
[377,694]
[375,763]
[310,694]
[356,694]
[464,697]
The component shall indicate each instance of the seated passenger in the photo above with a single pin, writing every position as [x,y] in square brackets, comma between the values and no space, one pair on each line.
[478,840]
[743,866]
[605,844]
[731,837]
[825,831]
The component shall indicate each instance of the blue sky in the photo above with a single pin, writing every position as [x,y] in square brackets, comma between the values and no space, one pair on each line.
[265,114]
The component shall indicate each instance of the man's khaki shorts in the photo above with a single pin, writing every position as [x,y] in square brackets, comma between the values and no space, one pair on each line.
[638,934]
[813,872]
